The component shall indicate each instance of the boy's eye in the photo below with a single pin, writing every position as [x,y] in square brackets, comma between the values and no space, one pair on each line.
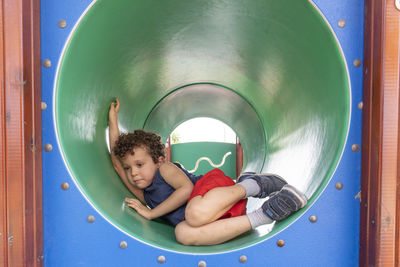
[139,165]
[126,168]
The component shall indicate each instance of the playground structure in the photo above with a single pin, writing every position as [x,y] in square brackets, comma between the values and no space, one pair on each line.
[291,73]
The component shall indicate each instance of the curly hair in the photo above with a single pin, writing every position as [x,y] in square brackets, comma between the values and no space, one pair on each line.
[126,142]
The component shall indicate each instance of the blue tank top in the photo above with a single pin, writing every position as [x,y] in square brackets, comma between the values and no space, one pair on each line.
[160,190]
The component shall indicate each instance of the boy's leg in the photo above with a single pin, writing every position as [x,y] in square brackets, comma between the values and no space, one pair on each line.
[212,205]
[278,207]
[202,210]
[213,233]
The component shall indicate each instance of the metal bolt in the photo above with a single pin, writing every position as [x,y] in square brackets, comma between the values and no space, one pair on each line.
[47,63]
[339,185]
[90,218]
[357,62]
[360,105]
[202,264]
[355,147]
[65,186]
[62,23]
[243,259]
[48,147]
[161,259]
[280,243]
[123,245]
[341,23]
[43,105]
[313,218]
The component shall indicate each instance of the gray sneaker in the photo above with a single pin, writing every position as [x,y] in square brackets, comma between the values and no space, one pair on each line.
[268,182]
[283,203]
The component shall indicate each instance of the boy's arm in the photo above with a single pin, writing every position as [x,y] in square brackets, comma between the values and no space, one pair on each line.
[183,188]
[113,136]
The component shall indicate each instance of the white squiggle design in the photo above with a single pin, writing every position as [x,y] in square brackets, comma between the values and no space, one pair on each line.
[209,161]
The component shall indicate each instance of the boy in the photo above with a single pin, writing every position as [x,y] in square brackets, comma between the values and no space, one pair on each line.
[206,210]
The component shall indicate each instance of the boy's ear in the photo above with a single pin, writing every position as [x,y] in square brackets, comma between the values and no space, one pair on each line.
[161,160]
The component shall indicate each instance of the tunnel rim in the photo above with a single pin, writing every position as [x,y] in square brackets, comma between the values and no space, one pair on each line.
[223,87]
[103,214]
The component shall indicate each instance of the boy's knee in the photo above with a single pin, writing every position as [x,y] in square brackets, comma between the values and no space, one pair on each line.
[184,234]
[195,215]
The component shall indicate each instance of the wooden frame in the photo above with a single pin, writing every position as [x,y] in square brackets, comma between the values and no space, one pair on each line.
[20,146]
[380,214]
[20,143]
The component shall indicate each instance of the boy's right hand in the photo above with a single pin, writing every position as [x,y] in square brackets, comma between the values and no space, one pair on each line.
[114,109]
[139,207]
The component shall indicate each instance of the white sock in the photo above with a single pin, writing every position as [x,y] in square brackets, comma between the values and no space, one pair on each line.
[258,217]
[251,186]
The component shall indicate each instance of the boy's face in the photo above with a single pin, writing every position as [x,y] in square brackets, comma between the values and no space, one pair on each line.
[140,167]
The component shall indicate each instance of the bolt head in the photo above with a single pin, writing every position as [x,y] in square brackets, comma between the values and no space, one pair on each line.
[313,218]
[341,23]
[48,147]
[46,63]
[43,105]
[65,186]
[243,259]
[123,245]
[90,218]
[161,259]
[355,147]
[357,62]
[62,23]
[339,185]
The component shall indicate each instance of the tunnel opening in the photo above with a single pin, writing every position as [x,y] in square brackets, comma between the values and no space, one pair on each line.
[202,144]
[203,129]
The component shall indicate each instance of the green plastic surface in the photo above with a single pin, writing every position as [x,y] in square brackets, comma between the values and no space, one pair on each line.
[192,153]
[271,70]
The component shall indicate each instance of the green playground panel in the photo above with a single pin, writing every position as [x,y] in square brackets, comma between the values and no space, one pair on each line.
[188,154]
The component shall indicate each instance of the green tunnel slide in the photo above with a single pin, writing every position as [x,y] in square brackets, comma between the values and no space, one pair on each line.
[271,70]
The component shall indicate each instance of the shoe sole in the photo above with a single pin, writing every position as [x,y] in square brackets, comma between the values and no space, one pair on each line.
[274,175]
[264,174]
[299,195]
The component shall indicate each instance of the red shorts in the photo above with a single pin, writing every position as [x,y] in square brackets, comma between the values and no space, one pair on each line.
[216,178]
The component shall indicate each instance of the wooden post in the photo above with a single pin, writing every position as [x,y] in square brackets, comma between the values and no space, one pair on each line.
[380,205]
[239,157]
[20,146]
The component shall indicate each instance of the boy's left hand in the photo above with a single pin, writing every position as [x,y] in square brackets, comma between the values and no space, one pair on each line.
[113,112]
[139,207]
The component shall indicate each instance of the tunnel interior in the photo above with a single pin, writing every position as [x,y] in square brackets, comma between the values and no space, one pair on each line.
[271,70]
